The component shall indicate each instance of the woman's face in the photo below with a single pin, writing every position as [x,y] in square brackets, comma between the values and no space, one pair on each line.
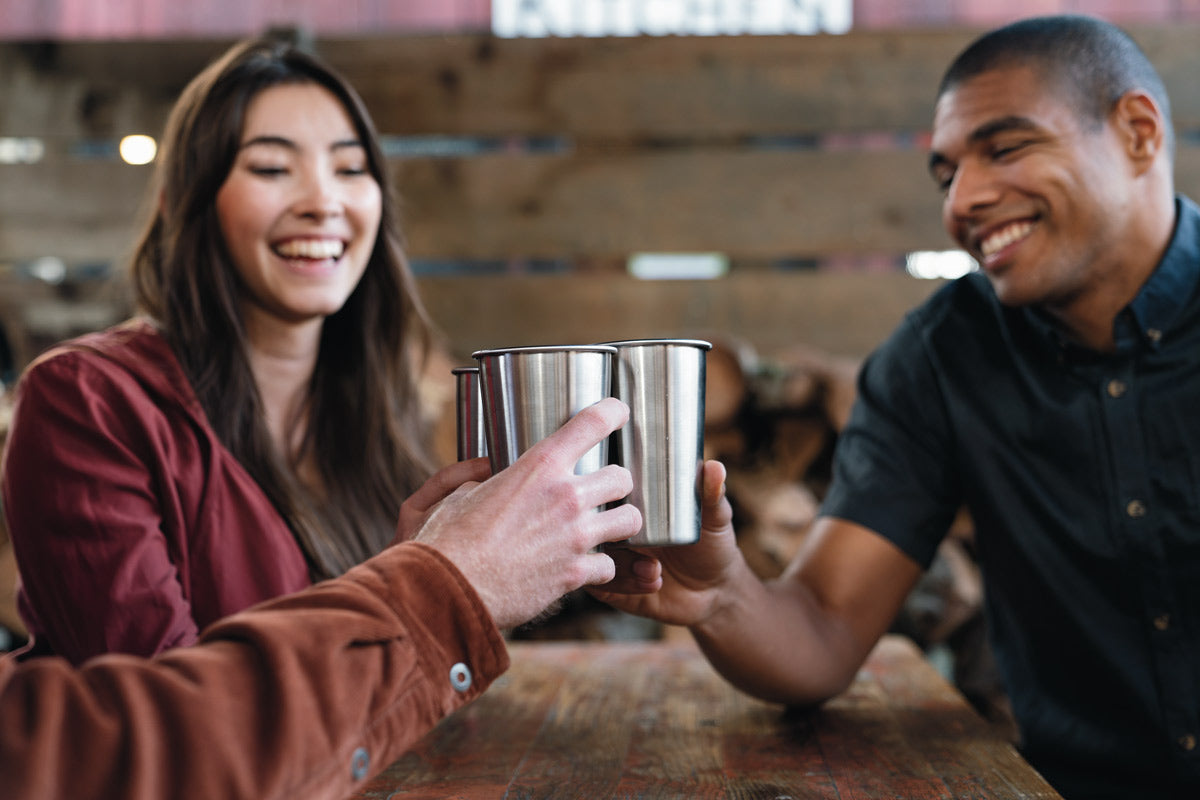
[299,210]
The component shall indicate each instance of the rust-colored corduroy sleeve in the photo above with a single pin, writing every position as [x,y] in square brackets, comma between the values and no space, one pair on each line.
[305,696]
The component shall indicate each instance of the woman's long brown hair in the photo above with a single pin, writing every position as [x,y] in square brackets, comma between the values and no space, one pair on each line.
[362,423]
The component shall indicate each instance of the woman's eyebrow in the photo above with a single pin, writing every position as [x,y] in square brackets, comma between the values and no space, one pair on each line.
[283,141]
[269,139]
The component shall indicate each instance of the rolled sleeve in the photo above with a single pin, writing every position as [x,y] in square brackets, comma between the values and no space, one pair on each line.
[306,696]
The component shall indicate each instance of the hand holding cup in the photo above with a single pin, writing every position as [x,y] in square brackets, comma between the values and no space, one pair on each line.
[528,535]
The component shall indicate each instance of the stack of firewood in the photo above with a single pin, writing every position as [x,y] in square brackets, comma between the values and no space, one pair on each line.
[773,420]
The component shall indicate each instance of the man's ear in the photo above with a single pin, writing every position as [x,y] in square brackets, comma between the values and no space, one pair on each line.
[1140,121]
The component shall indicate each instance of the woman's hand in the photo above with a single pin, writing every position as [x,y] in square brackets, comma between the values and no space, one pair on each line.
[416,509]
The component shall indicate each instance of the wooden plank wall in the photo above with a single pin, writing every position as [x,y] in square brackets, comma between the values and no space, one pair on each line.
[113,19]
[764,148]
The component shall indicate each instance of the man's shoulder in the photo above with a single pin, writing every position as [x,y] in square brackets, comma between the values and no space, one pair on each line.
[970,293]
[963,307]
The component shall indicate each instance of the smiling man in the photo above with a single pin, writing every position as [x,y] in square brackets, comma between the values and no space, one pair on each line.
[1054,393]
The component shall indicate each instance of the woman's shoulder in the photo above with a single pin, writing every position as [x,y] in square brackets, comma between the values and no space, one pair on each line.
[132,343]
[132,356]
[135,345]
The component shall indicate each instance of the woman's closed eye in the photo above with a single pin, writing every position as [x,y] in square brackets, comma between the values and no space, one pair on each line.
[268,171]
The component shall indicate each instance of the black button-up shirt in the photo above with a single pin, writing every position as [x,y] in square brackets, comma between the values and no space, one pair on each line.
[1082,473]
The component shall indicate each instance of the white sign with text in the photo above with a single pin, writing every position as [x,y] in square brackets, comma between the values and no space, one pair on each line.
[534,18]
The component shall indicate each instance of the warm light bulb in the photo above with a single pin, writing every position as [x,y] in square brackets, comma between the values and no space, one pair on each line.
[138,149]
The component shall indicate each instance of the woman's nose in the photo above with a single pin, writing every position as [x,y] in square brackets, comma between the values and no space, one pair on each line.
[318,195]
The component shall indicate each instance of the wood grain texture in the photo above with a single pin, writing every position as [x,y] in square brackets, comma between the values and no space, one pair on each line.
[652,720]
[766,149]
[753,146]
[844,314]
[747,204]
[618,88]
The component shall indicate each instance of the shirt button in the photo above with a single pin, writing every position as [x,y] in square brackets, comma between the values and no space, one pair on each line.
[1135,509]
[1187,742]
[1116,388]
[1154,335]
[360,763]
[1162,622]
[460,677]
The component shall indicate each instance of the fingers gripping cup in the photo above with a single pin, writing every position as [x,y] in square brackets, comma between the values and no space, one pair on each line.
[530,392]
[472,441]
[662,444]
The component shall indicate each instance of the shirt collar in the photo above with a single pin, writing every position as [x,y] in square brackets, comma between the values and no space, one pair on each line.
[1164,296]
[1170,287]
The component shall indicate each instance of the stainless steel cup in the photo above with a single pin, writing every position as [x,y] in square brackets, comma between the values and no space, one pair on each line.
[662,444]
[472,441]
[530,392]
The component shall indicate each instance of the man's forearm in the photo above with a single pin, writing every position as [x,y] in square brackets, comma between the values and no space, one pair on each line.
[306,696]
[772,641]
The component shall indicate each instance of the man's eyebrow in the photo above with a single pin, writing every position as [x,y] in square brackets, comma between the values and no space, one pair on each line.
[1013,122]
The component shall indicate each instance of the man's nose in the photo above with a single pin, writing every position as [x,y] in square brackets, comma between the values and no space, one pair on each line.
[972,188]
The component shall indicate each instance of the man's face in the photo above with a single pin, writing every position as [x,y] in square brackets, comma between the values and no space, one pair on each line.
[1033,191]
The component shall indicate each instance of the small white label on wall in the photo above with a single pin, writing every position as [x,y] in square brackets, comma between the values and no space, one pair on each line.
[534,18]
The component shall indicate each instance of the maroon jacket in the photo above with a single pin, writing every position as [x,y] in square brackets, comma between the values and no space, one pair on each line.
[306,697]
[132,525]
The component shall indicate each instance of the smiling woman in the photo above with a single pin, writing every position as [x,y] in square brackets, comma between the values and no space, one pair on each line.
[298,211]
[257,425]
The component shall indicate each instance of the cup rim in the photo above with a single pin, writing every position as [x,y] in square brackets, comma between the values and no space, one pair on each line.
[545,348]
[463,370]
[702,344]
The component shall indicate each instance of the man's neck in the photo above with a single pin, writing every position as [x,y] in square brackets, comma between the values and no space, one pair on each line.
[1089,316]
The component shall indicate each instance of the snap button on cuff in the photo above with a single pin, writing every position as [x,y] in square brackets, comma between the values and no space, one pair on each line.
[360,763]
[460,677]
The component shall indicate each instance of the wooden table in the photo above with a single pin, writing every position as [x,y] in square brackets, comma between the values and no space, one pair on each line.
[653,720]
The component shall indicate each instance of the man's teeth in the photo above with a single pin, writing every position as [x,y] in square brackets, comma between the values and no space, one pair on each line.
[310,248]
[1004,237]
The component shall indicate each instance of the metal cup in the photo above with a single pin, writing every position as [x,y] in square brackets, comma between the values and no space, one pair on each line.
[472,441]
[530,392]
[662,444]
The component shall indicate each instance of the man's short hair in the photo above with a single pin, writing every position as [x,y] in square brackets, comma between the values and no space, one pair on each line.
[1092,61]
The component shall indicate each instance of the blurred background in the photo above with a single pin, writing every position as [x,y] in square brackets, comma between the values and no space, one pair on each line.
[570,169]
[752,172]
